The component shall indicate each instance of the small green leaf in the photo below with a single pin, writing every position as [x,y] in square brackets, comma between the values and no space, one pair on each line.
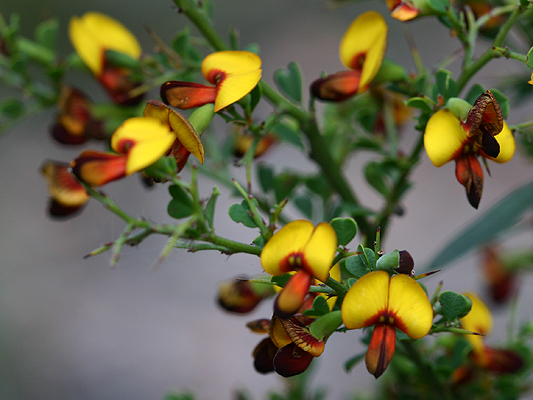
[181,205]
[284,184]
[356,266]
[11,108]
[345,228]
[474,92]
[305,205]
[368,257]
[255,97]
[210,207]
[326,325]
[320,307]
[259,241]
[376,177]
[423,103]
[281,280]
[454,305]
[46,33]
[241,213]
[288,132]
[388,262]
[352,362]
[529,59]
[289,81]
[266,177]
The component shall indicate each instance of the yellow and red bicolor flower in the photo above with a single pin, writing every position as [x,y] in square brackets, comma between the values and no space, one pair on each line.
[387,303]
[75,123]
[67,194]
[495,360]
[242,296]
[234,74]
[187,141]
[300,247]
[138,143]
[406,10]
[93,35]
[361,50]
[483,133]
[501,281]
[290,347]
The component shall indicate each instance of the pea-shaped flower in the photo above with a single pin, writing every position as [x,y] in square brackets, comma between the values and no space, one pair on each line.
[495,360]
[483,133]
[300,247]
[387,303]
[94,36]
[361,50]
[138,143]
[234,74]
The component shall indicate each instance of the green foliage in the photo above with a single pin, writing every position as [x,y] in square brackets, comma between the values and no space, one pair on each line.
[241,213]
[454,305]
[181,205]
[289,81]
[345,228]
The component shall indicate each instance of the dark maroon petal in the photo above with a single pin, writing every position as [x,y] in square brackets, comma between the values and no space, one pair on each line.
[291,360]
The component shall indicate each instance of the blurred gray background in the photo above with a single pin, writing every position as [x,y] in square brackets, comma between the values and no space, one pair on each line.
[77,329]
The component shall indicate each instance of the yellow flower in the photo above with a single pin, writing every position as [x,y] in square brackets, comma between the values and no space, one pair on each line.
[478,320]
[300,247]
[484,133]
[139,142]
[67,194]
[388,303]
[187,141]
[234,74]
[361,50]
[93,35]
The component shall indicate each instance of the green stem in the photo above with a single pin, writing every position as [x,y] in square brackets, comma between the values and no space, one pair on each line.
[393,197]
[319,149]
[202,23]
[338,287]
[505,52]
[470,70]
[231,245]
[265,231]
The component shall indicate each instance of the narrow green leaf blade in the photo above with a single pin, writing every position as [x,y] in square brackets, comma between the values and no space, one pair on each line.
[487,226]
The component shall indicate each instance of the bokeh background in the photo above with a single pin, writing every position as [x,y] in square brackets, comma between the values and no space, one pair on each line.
[74,328]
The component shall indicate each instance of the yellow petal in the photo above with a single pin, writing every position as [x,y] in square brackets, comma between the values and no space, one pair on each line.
[278,335]
[479,320]
[410,306]
[507,144]
[531,80]
[367,36]
[235,73]
[320,251]
[179,125]
[94,33]
[292,238]
[145,140]
[444,137]
[365,300]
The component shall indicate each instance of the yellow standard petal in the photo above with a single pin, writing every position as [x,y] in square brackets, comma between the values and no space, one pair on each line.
[178,124]
[410,306]
[144,140]
[94,33]
[479,320]
[291,239]
[366,300]
[507,144]
[235,73]
[320,251]
[364,42]
[444,137]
